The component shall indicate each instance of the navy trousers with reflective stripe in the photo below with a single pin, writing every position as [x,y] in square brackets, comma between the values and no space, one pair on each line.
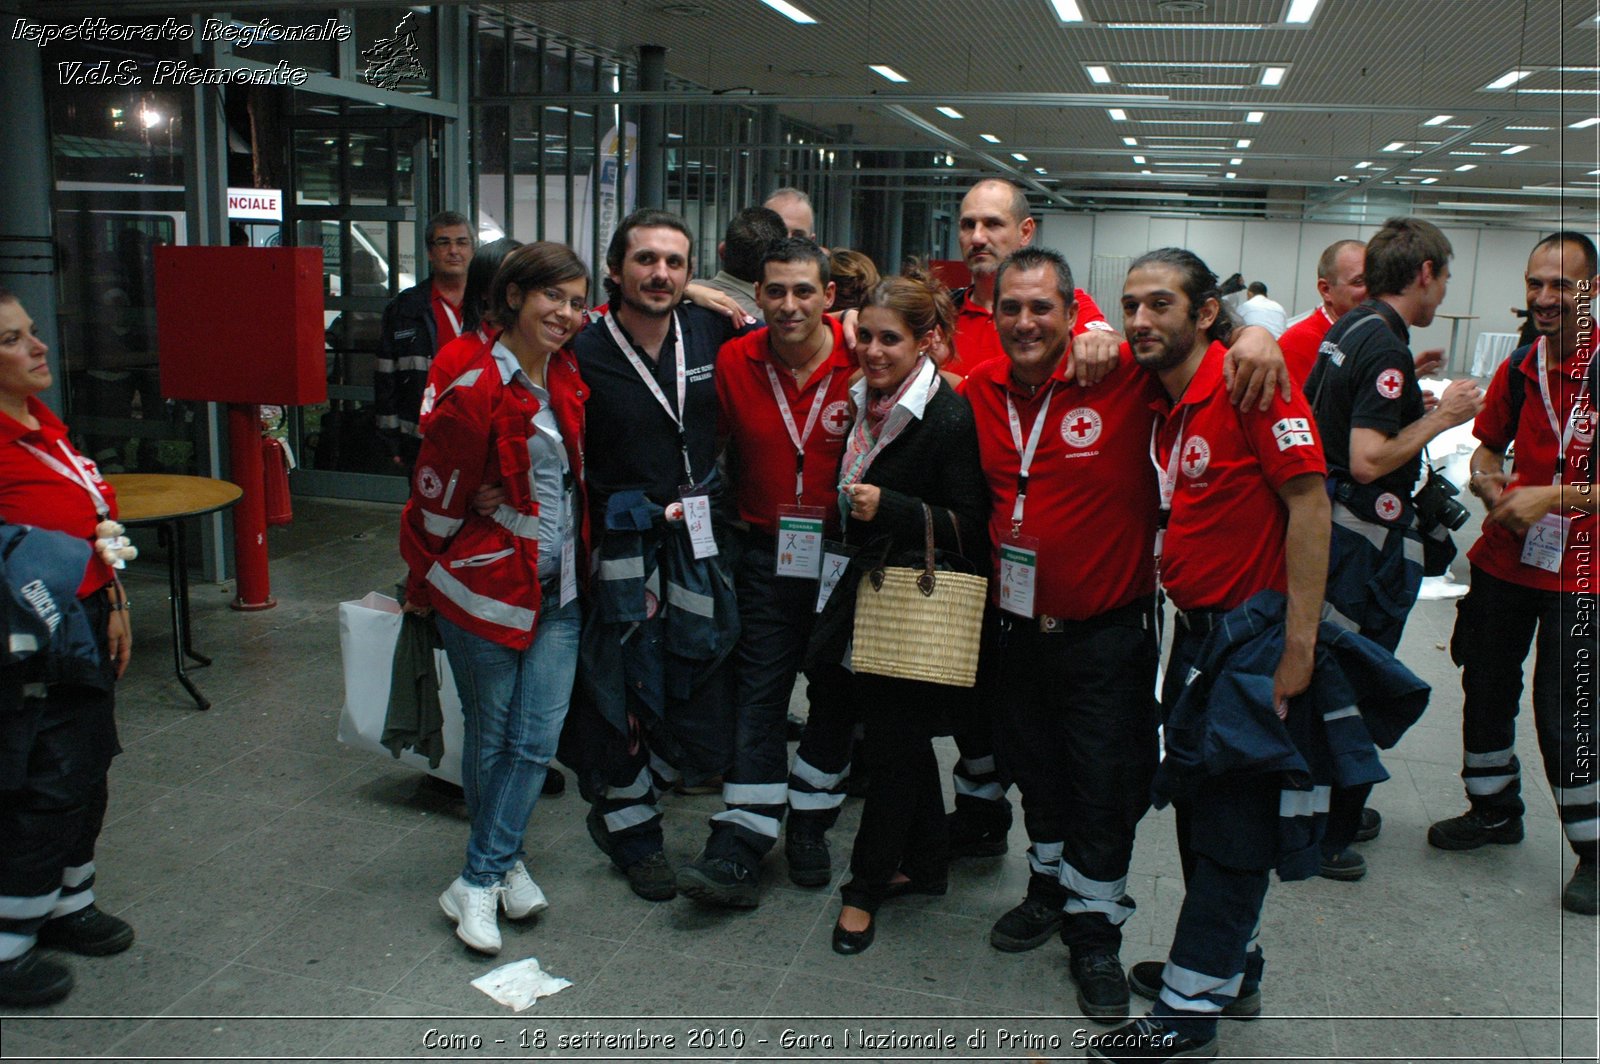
[1496,623]
[1374,572]
[774,626]
[1078,732]
[52,802]
[822,761]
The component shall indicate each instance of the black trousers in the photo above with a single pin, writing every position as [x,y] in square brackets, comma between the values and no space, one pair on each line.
[1496,623]
[902,817]
[54,755]
[775,626]
[1078,734]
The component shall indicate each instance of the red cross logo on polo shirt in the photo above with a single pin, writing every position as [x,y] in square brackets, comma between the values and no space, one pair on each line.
[1388,506]
[836,418]
[1081,427]
[1390,382]
[1196,456]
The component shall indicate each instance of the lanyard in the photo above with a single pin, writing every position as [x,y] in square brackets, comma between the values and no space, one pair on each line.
[795,436]
[72,471]
[451,316]
[1025,453]
[627,348]
[1563,437]
[1167,475]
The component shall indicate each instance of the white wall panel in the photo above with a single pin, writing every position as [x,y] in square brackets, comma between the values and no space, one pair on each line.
[1217,241]
[1271,256]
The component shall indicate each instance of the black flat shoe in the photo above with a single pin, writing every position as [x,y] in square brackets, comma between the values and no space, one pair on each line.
[850,943]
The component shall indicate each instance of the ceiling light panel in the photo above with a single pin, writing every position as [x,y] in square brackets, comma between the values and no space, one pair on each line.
[888,73]
[790,12]
[949,112]
[1506,80]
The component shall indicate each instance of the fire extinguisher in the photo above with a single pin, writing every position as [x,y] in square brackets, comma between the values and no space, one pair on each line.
[276,461]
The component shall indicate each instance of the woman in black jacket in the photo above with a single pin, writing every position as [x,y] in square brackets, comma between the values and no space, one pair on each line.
[913,443]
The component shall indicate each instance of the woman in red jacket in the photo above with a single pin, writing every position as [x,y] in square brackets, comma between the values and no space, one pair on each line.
[54,751]
[503,588]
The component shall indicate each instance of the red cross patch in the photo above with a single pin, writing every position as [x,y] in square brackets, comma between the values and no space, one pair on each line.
[1081,427]
[1388,506]
[428,483]
[1390,381]
[1196,457]
[836,418]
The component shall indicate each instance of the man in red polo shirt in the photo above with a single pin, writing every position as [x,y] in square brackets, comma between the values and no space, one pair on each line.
[1342,285]
[784,410]
[1072,642]
[1246,512]
[1534,567]
[995,221]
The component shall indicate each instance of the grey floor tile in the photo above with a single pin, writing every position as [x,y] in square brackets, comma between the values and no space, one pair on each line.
[644,981]
[180,830]
[128,795]
[305,847]
[243,1011]
[113,997]
[274,777]
[340,942]
[175,756]
[380,790]
[215,913]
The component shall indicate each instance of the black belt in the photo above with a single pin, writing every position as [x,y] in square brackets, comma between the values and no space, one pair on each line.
[1200,622]
[1135,614]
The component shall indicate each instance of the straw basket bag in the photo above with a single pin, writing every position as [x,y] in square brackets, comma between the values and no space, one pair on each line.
[919,624]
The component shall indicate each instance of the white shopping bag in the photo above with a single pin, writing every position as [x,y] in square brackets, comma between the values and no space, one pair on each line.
[368,632]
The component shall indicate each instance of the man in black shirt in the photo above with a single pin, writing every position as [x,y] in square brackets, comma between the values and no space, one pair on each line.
[1374,425]
[660,710]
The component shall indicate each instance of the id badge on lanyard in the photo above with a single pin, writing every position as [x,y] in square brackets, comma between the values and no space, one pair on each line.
[799,552]
[1167,479]
[697,519]
[1019,574]
[835,560]
[1019,554]
[1545,542]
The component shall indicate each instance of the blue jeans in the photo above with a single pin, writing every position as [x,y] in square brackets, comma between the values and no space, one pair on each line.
[514,703]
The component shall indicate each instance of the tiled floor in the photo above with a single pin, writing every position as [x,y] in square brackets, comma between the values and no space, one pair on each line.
[283,890]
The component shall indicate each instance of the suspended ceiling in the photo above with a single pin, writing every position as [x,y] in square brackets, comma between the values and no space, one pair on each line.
[1192,85]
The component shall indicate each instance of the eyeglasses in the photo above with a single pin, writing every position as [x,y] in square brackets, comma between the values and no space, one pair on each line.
[442,242]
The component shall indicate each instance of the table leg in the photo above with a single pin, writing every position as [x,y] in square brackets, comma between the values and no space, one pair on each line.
[183,583]
[178,592]
[1450,359]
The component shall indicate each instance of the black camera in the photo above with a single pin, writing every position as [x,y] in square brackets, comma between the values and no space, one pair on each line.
[1436,505]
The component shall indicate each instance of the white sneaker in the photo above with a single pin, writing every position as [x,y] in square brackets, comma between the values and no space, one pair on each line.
[474,910]
[520,896]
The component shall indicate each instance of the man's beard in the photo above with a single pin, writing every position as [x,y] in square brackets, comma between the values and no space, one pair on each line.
[1173,352]
[646,309]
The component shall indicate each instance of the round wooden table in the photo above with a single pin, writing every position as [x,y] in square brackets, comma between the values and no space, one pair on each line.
[165,500]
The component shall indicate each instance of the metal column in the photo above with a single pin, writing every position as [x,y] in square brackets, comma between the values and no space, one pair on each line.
[27,253]
[652,128]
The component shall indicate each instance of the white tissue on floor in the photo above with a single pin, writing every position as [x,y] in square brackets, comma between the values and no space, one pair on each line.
[520,983]
[1441,587]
